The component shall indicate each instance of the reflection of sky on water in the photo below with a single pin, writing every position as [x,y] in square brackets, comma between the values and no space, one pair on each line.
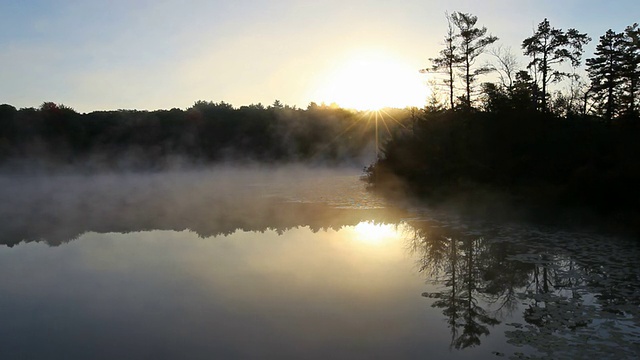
[166,294]
[224,264]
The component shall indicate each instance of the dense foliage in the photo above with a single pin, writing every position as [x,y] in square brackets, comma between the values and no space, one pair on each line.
[578,146]
[205,133]
[523,143]
[573,161]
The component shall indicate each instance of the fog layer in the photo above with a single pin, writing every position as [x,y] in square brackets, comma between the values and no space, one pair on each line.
[59,207]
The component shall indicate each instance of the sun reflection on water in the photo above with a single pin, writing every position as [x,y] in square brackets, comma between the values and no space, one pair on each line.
[375,234]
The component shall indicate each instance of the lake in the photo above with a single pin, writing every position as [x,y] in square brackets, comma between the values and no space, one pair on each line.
[295,263]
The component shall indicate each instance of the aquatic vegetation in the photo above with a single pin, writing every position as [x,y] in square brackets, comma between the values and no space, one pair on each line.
[565,294]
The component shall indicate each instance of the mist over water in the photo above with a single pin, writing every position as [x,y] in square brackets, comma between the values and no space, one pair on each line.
[60,206]
[292,262]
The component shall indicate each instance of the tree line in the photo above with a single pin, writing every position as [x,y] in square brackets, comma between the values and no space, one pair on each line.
[516,136]
[554,55]
[207,132]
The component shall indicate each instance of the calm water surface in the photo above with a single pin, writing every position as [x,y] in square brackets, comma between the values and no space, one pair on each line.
[289,264]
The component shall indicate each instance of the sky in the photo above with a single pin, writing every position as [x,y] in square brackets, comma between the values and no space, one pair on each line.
[162,54]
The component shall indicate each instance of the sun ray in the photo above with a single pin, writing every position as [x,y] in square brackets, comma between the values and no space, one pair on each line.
[394,119]
[372,119]
[385,125]
[339,135]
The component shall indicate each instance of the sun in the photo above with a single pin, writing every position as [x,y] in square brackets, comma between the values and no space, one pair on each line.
[372,80]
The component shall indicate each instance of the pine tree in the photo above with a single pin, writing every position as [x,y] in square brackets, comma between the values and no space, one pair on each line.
[606,70]
[631,70]
[448,60]
[473,41]
[550,47]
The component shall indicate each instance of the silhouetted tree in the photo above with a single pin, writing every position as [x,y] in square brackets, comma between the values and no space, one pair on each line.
[473,41]
[569,101]
[496,98]
[631,70]
[507,66]
[277,104]
[605,72]
[549,47]
[524,91]
[448,60]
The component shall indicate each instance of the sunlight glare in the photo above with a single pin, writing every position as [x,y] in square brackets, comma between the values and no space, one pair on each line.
[372,80]
[374,234]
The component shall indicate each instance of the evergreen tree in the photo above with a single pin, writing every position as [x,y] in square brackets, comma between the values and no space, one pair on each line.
[550,47]
[631,70]
[448,60]
[522,94]
[605,72]
[473,41]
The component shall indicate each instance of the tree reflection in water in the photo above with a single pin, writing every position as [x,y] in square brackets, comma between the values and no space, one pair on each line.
[577,293]
[571,307]
[564,294]
[469,278]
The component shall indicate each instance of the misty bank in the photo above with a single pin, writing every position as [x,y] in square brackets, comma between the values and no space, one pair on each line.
[521,164]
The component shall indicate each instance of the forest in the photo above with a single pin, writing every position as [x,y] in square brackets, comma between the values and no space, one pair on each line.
[554,133]
[54,136]
[516,140]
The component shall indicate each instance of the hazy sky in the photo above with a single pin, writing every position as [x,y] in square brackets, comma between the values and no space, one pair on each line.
[152,54]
